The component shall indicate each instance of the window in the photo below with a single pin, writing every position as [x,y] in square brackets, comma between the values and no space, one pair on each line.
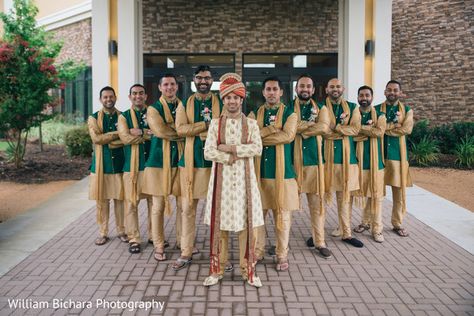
[287,67]
[183,67]
[77,95]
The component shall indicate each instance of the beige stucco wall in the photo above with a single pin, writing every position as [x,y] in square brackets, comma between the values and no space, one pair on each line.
[48,7]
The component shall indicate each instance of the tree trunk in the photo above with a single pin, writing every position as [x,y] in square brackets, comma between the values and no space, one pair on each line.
[41,137]
[24,146]
[17,156]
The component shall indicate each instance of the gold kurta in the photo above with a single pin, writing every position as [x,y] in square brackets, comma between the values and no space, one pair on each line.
[152,182]
[233,202]
[113,183]
[268,186]
[392,167]
[340,132]
[127,186]
[310,183]
[368,133]
[113,186]
[153,177]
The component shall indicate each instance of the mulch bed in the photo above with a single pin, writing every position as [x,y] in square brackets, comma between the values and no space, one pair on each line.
[52,164]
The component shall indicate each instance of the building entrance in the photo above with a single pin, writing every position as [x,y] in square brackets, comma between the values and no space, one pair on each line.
[256,67]
[287,67]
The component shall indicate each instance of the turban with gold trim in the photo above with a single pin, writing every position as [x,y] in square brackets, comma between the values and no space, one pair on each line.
[231,82]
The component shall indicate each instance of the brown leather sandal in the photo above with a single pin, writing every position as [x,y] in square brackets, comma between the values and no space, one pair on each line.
[361,228]
[101,240]
[402,232]
[159,255]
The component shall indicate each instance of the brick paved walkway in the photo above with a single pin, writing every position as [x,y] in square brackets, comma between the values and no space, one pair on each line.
[423,274]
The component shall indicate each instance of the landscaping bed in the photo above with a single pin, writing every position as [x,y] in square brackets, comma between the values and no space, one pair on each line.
[51,164]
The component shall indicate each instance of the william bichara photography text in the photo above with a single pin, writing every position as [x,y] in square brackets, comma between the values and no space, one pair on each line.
[96,304]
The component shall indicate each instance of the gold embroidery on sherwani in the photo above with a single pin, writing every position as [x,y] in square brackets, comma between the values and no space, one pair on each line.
[232,205]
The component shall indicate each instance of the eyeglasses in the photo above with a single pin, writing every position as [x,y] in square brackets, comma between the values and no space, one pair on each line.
[199,78]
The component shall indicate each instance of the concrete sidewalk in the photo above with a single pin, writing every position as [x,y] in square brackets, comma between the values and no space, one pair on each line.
[25,233]
[427,273]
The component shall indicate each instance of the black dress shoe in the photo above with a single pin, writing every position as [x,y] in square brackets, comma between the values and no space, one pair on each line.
[324,252]
[354,242]
[310,242]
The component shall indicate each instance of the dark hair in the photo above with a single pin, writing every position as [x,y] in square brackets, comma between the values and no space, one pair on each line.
[106,88]
[394,81]
[366,88]
[168,75]
[136,85]
[272,78]
[201,68]
[304,76]
[327,83]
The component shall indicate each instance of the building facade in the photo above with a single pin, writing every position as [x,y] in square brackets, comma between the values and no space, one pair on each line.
[358,41]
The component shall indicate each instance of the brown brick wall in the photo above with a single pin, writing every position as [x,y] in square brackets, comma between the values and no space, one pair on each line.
[432,54]
[77,41]
[235,26]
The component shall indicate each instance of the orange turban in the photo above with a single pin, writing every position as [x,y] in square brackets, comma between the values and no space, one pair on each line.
[231,82]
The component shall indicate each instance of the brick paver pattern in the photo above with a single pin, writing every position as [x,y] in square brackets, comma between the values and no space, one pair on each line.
[424,274]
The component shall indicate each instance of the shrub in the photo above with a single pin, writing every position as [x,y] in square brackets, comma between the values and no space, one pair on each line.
[75,118]
[425,152]
[463,129]
[53,131]
[78,142]
[450,135]
[420,130]
[465,152]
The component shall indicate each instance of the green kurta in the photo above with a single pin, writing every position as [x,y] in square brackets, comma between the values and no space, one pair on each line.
[338,110]
[310,147]
[155,158]
[113,159]
[144,148]
[392,143]
[366,116]
[268,162]
[199,105]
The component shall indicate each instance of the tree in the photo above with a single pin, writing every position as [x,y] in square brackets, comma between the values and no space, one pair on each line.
[27,73]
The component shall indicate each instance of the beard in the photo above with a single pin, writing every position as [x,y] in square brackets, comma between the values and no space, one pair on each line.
[203,88]
[335,95]
[304,96]
[109,105]
[364,103]
[392,99]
